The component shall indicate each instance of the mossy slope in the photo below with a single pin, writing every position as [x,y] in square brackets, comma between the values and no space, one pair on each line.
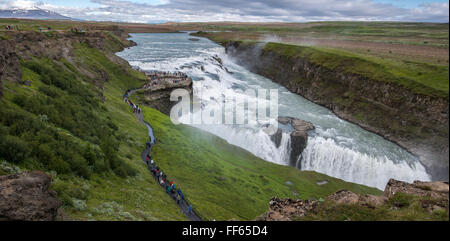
[223,181]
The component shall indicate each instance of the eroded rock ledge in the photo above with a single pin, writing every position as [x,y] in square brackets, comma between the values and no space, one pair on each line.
[299,137]
[27,197]
[286,209]
[158,96]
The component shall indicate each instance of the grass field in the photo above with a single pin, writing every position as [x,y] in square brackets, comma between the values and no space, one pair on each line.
[64,25]
[223,181]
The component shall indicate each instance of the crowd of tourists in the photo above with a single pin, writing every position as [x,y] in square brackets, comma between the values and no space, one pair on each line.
[170,187]
[135,107]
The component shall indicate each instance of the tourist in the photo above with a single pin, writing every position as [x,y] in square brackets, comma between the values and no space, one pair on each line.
[178,199]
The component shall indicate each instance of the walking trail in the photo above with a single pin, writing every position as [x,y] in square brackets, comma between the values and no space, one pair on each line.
[183,204]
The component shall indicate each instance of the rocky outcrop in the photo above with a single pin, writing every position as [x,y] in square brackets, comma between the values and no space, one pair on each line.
[283,209]
[26,196]
[418,188]
[347,197]
[286,209]
[417,122]
[158,96]
[57,46]
[299,137]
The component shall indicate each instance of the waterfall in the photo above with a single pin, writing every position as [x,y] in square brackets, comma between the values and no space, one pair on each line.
[336,148]
[325,156]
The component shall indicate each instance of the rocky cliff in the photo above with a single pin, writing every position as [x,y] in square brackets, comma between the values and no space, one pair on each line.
[158,96]
[427,198]
[417,122]
[27,197]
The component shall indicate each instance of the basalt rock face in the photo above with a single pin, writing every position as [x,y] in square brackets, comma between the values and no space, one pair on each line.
[26,196]
[417,122]
[299,137]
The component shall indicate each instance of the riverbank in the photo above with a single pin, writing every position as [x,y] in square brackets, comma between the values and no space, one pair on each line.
[359,91]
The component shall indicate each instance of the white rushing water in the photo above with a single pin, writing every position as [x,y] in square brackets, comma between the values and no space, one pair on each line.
[336,148]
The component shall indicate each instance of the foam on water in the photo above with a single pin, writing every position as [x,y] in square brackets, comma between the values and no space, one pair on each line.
[336,148]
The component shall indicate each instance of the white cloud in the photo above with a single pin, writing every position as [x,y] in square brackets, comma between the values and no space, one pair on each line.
[255,10]
[18,4]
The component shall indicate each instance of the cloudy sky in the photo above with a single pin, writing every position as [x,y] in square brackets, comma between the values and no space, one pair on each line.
[157,11]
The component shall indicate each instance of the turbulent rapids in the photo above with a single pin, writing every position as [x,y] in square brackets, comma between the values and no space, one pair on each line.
[336,147]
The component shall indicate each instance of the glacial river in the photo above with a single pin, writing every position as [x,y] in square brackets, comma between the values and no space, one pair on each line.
[336,147]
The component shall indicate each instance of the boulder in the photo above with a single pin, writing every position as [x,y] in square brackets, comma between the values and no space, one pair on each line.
[372,200]
[26,197]
[418,188]
[344,197]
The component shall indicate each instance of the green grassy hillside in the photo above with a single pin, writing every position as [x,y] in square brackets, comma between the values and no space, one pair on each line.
[223,181]
[91,147]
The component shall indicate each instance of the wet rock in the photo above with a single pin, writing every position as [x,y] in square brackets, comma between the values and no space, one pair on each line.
[284,120]
[299,141]
[26,196]
[276,138]
[299,137]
